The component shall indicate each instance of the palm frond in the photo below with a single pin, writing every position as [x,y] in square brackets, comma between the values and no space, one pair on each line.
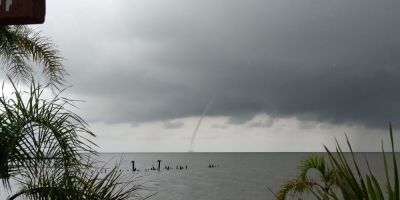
[345,173]
[80,184]
[36,129]
[44,150]
[294,187]
[20,45]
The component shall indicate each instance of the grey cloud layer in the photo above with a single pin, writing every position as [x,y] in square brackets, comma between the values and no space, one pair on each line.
[160,60]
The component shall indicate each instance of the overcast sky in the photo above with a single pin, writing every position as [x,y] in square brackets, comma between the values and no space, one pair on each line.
[278,75]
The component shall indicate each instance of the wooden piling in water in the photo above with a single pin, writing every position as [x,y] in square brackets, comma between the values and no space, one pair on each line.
[133,165]
[159,165]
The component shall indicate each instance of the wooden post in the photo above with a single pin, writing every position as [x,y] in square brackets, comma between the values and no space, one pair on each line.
[133,165]
[159,165]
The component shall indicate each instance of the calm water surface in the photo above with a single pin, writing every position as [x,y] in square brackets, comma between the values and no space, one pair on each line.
[240,176]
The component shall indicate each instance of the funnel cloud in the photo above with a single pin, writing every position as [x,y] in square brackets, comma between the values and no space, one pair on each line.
[145,61]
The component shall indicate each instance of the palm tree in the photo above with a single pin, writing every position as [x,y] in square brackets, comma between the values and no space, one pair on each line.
[21,47]
[45,150]
[342,177]
[321,188]
[44,147]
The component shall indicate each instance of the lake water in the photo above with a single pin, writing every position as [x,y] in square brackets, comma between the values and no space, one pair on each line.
[239,176]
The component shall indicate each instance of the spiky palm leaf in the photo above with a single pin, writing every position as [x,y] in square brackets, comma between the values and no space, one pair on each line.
[35,130]
[80,184]
[44,150]
[20,45]
[346,176]
[355,185]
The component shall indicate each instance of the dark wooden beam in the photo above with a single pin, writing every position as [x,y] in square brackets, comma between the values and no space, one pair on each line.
[14,12]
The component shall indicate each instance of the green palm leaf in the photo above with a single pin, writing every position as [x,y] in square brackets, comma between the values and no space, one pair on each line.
[21,47]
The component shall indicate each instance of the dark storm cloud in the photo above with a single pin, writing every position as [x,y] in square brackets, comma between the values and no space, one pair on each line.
[332,61]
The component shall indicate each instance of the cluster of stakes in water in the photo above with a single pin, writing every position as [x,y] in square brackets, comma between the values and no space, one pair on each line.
[167,167]
[158,168]
[213,166]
